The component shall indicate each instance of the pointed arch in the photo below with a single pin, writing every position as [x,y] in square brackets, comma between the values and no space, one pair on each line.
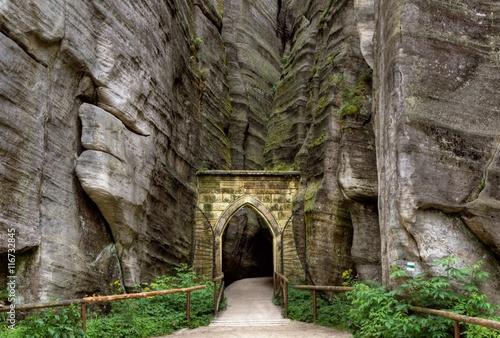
[265,213]
[222,193]
[255,204]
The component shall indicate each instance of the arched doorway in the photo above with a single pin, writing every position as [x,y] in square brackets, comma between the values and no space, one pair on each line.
[247,247]
[263,245]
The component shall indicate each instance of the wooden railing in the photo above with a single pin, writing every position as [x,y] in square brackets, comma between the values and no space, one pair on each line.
[315,288]
[492,324]
[280,286]
[218,295]
[105,299]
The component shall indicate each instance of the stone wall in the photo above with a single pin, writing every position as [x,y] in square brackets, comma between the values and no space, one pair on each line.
[222,193]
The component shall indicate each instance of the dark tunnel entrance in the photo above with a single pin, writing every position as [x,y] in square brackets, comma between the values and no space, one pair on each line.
[247,247]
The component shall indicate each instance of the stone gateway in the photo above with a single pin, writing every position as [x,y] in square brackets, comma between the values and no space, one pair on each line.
[221,194]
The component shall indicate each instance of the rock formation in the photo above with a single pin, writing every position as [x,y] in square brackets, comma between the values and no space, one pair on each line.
[438,133]
[102,113]
[107,109]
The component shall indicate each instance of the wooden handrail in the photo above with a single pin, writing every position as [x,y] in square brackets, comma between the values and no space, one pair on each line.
[315,288]
[218,279]
[281,283]
[491,324]
[218,297]
[106,299]
[324,288]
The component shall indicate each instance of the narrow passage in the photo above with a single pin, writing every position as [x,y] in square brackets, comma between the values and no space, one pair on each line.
[251,314]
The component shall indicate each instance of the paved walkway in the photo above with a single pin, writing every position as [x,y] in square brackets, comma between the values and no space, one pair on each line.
[251,314]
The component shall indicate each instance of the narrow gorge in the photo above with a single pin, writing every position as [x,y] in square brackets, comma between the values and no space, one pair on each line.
[389,109]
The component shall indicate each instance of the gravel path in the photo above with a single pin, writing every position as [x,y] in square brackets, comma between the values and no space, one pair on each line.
[251,314]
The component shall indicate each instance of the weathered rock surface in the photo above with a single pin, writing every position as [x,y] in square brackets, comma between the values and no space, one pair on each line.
[365,23]
[114,171]
[108,109]
[321,119]
[253,60]
[437,125]
[126,70]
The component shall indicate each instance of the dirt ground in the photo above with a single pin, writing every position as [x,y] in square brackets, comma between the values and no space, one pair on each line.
[251,314]
[291,330]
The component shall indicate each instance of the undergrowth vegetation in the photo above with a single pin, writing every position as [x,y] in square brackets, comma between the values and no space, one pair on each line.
[133,318]
[372,310]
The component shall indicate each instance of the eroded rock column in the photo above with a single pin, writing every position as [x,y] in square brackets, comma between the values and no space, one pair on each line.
[437,99]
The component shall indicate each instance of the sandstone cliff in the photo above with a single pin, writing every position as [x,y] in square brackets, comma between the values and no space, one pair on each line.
[389,109]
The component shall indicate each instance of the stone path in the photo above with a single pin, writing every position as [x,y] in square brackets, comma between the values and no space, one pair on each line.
[251,314]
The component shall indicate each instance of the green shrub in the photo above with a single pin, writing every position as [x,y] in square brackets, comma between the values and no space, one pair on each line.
[375,312]
[300,305]
[63,322]
[378,312]
[372,311]
[334,312]
[330,312]
[159,315]
[132,318]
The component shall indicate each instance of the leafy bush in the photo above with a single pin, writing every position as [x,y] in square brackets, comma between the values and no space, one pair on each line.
[372,311]
[378,312]
[133,318]
[300,305]
[375,312]
[330,312]
[334,312]
[54,323]
[153,316]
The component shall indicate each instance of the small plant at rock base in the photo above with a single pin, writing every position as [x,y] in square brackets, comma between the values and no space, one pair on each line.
[378,312]
[116,287]
[348,279]
[195,48]
[63,322]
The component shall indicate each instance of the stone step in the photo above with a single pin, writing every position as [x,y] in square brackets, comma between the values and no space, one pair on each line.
[250,322]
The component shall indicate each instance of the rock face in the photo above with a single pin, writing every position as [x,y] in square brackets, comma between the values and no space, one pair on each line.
[108,109]
[106,97]
[253,60]
[321,122]
[437,126]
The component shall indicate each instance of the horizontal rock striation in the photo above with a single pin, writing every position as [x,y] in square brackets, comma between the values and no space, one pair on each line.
[108,109]
[104,113]
[437,128]
[321,122]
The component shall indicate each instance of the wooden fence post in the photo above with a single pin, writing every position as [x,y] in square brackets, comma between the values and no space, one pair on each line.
[188,306]
[457,330]
[315,315]
[215,298]
[285,298]
[84,318]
